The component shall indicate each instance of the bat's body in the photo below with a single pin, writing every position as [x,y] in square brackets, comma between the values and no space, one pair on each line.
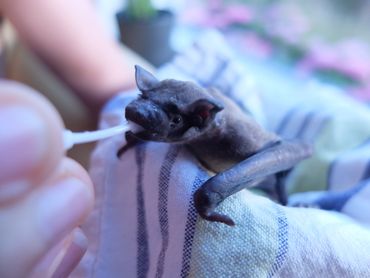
[225,139]
[231,137]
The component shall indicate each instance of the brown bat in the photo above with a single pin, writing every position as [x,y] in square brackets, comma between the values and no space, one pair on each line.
[225,139]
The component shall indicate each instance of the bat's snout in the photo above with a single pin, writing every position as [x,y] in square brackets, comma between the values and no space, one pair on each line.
[146,114]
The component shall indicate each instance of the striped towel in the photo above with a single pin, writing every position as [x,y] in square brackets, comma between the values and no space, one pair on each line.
[145,224]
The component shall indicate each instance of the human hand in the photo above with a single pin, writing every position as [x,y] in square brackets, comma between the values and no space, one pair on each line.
[44,196]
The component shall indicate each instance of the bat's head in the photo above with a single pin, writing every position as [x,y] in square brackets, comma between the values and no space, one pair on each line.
[171,110]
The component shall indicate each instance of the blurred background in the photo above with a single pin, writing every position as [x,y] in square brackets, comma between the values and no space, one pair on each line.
[325,40]
[328,39]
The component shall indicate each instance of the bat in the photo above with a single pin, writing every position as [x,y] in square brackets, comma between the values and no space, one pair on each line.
[224,138]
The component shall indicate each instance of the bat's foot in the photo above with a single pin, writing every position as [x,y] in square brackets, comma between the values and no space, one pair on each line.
[122,150]
[131,141]
[218,217]
[205,203]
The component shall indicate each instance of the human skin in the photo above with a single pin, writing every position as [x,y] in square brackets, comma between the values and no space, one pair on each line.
[44,196]
[71,38]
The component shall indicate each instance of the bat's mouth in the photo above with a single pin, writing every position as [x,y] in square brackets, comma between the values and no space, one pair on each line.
[135,128]
[146,135]
[147,117]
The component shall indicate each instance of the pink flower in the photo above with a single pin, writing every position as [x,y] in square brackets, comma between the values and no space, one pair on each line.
[361,93]
[285,21]
[350,57]
[238,14]
[218,15]
[252,43]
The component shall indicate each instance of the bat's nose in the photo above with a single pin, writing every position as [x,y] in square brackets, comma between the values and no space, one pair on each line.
[146,114]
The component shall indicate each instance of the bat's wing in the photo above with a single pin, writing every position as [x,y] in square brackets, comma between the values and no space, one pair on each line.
[279,157]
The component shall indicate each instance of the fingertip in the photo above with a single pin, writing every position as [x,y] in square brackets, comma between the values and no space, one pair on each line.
[73,255]
[61,259]
[31,139]
[64,203]
[74,176]
[70,168]
[44,217]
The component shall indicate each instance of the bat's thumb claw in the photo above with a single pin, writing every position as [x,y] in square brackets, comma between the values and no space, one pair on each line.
[205,202]
[217,217]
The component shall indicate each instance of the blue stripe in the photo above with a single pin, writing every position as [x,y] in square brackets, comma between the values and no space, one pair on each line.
[229,86]
[366,173]
[304,126]
[335,200]
[184,71]
[221,67]
[283,244]
[228,90]
[142,233]
[334,163]
[212,82]
[285,121]
[164,181]
[190,225]
[319,128]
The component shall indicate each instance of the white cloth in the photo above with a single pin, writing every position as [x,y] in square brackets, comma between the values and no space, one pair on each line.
[145,225]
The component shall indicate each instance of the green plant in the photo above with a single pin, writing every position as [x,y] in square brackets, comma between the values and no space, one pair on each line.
[140,9]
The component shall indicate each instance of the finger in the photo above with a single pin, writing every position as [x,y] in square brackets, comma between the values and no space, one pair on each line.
[30,139]
[61,260]
[73,255]
[43,218]
[51,260]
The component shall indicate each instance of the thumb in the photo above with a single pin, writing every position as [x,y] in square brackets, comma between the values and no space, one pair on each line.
[30,139]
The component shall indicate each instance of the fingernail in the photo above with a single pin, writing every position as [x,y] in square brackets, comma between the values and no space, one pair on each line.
[62,207]
[22,142]
[73,255]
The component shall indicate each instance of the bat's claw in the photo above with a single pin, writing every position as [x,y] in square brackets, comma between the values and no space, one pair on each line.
[218,217]
[120,152]
[205,202]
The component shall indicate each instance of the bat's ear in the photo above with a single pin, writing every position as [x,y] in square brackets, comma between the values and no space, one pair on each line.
[205,109]
[145,81]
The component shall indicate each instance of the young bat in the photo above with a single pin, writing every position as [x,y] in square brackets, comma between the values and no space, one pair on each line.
[224,139]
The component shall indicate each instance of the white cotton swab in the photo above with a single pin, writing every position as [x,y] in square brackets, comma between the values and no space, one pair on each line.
[72,138]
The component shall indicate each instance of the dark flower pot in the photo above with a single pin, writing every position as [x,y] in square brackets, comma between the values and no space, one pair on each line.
[150,38]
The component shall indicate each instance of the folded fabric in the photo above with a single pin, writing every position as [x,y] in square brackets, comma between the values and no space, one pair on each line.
[144,222]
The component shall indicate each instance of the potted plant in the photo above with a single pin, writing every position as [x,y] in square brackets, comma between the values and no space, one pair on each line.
[147,30]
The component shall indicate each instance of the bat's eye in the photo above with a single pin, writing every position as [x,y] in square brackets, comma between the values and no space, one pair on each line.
[176,120]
